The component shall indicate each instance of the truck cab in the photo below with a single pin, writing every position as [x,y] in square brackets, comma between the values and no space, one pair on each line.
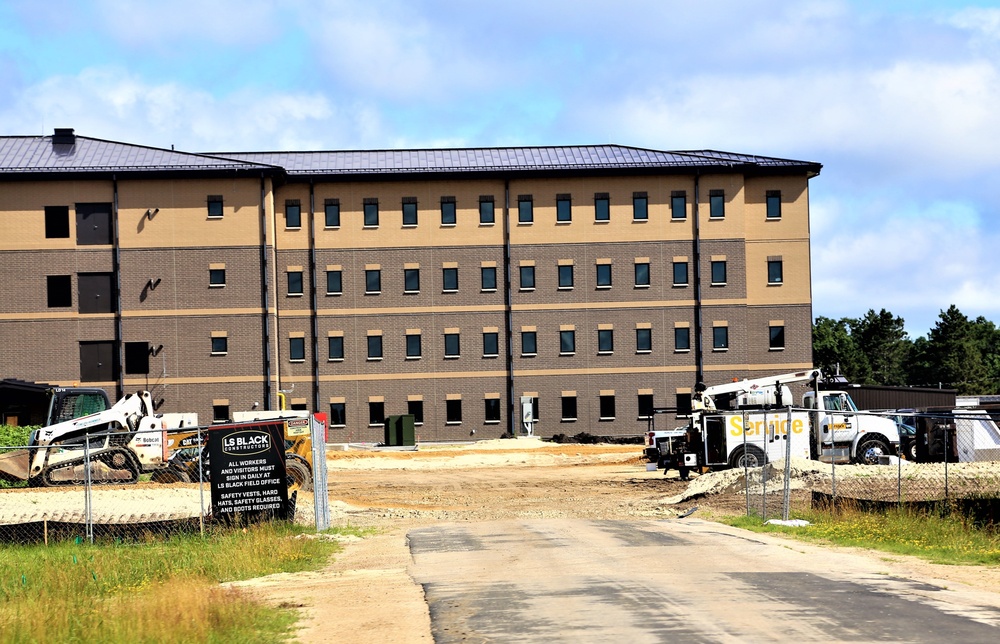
[843,434]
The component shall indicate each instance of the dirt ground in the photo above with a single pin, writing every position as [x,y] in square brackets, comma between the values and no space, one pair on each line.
[366,595]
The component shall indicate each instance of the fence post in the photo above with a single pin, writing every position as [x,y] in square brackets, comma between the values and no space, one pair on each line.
[787,498]
[201,482]
[899,481]
[947,440]
[88,515]
[321,501]
[763,475]
[746,473]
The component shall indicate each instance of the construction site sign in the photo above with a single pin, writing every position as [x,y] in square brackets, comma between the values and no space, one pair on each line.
[247,466]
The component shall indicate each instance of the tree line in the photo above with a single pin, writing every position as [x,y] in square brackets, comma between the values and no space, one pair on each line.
[958,353]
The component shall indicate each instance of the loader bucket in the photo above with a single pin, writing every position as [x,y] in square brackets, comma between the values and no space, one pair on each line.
[14,465]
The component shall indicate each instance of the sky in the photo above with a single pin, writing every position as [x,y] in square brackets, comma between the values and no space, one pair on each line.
[898,99]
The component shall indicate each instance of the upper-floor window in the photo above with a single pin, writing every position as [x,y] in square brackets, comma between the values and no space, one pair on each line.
[374,347]
[334,282]
[776,339]
[293,214]
[716,204]
[566,276]
[564,208]
[297,349]
[215,206]
[527,277]
[718,272]
[373,280]
[371,211]
[488,278]
[413,349]
[567,342]
[335,348]
[678,204]
[486,215]
[57,222]
[449,278]
[642,274]
[605,341]
[216,277]
[602,206]
[775,272]
[295,282]
[220,344]
[604,276]
[640,206]
[682,338]
[773,204]
[680,274]
[525,209]
[452,346]
[491,344]
[720,338]
[409,212]
[529,343]
[59,290]
[643,340]
[411,280]
[331,213]
[448,211]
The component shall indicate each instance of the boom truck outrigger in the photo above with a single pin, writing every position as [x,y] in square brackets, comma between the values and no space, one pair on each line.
[746,423]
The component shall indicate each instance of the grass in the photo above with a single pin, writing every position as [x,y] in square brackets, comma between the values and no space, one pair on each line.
[949,539]
[153,591]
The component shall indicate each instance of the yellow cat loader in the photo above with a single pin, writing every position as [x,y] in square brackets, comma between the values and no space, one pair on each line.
[121,443]
[186,453]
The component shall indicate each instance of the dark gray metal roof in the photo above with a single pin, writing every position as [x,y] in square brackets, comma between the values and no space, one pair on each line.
[555,158]
[38,154]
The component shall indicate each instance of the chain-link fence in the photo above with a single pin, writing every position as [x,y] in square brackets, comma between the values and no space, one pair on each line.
[99,486]
[945,460]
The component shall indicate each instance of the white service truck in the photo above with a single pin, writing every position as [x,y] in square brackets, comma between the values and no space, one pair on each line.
[748,422]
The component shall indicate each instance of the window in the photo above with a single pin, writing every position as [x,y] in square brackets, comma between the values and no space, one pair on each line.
[374,347]
[569,408]
[525,212]
[716,204]
[338,414]
[95,292]
[645,405]
[529,343]
[718,272]
[59,290]
[220,345]
[334,282]
[486,215]
[567,342]
[451,345]
[216,277]
[488,278]
[295,282]
[373,280]
[680,274]
[57,222]
[297,349]
[415,408]
[93,224]
[678,205]
[774,271]
[564,208]
[773,204]
[453,411]
[335,347]
[641,274]
[411,280]
[682,339]
[602,207]
[409,212]
[371,211]
[720,338]
[215,206]
[448,216]
[449,279]
[137,357]
[376,412]
[605,341]
[643,340]
[98,361]
[491,344]
[566,276]
[776,337]
[640,206]
[331,213]
[220,413]
[607,407]
[492,411]
[604,276]
[413,349]
[293,214]
[527,278]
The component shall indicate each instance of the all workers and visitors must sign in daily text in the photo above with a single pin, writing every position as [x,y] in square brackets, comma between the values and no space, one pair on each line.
[247,465]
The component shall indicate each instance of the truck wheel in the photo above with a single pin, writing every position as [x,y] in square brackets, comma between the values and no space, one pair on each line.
[869,451]
[747,456]
[300,473]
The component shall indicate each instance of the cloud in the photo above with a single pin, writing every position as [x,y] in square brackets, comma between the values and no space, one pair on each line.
[163,25]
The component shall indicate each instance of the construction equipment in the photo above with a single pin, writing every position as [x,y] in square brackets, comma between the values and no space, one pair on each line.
[119,444]
[186,451]
[36,403]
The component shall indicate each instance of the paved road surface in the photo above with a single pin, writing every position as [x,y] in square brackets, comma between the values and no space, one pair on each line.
[575,580]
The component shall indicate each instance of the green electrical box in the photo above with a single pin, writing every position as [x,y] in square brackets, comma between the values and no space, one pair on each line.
[399,431]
